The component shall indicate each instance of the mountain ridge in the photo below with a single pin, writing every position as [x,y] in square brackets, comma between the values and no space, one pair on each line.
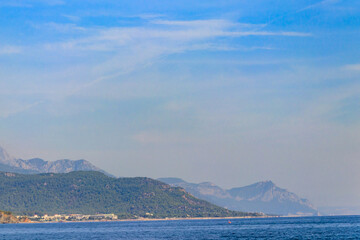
[262,196]
[38,165]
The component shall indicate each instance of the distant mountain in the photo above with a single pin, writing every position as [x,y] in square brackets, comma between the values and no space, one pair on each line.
[5,158]
[263,197]
[94,192]
[340,210]
[37,165]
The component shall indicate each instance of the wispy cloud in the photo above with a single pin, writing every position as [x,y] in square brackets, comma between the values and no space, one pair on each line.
[72,17]
[16,4]
[134,47]
[48,2]
[352,67]
[30,3]
[6,50]
[322,3]
[8,109]
[266,33]
[64,28]
[319,4]
[54,2]
[130,49]
[211,23]
[150,16]
[108,39]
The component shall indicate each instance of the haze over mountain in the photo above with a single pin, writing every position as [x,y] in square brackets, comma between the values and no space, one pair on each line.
[263,197]
[38,165]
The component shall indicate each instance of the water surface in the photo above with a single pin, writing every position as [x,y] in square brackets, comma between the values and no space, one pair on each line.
[340,227]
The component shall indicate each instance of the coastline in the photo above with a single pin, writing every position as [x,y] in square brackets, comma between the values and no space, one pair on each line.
[150,219]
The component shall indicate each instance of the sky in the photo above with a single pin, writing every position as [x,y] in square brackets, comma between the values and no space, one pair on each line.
[232,92]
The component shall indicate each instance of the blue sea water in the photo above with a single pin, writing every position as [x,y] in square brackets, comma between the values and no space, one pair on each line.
[339,227]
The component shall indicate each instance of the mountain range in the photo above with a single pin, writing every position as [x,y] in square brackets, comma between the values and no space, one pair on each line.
[93,192]
[263,197]
[38,165]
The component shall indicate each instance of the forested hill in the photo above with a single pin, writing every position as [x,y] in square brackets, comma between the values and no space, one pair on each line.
[94,192]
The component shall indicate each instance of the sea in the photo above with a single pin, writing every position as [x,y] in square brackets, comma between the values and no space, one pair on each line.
[336,227]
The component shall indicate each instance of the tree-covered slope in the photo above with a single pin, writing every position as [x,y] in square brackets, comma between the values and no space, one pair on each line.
[94,192]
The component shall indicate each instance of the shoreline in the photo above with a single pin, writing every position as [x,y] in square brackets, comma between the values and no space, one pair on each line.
[193,218]
[149,219]
[162,219]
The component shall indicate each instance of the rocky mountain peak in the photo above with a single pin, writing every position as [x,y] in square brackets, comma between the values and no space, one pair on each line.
[262,196]
[265,184]
[36,161]
[38,165]
[172,180]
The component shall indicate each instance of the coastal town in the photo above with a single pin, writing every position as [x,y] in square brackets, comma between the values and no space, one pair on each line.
[71,218]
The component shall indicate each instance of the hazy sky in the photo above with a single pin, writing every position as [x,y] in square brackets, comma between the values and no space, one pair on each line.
[231,92]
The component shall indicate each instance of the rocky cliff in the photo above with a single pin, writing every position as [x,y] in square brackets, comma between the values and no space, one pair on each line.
[7,217]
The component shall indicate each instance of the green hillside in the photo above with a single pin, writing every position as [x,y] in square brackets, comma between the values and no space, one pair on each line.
[94,192]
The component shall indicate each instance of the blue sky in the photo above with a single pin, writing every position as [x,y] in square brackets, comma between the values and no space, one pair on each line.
[226,91]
